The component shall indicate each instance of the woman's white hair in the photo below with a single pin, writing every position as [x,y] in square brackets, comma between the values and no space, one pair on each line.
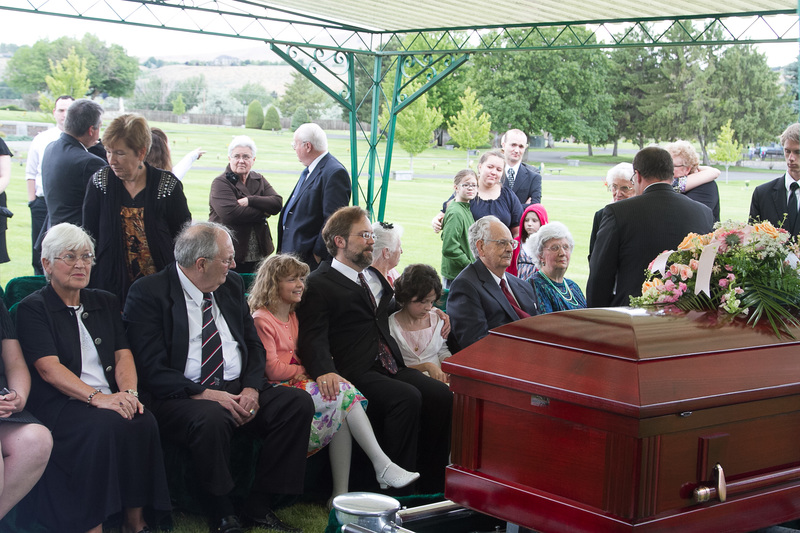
[387,236]
[62,238]
[548,232]
[622,170]
[242,140]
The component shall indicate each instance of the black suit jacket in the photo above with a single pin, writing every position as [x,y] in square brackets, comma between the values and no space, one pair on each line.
[66,169]
[632,233]
[769,204]
[528,184]
[338,330]
[476,303]
[157,324]
[324,191]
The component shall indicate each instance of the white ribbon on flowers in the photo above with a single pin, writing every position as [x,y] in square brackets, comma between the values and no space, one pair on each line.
[660,262]
[704,268]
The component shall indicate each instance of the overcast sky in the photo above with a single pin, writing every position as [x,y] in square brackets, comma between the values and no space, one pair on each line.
[27,28]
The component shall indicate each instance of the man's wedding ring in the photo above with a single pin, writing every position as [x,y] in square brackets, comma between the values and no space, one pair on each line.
[252,411]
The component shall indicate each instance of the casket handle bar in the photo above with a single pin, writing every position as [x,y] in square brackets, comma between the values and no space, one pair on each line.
[705,493]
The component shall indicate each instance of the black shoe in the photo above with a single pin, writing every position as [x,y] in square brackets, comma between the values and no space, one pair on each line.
[229,524]
[271,521]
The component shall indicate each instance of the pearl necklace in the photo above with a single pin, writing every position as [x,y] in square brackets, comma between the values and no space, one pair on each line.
[565,295]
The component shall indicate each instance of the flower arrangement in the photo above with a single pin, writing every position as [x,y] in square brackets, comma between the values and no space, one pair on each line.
[738,270]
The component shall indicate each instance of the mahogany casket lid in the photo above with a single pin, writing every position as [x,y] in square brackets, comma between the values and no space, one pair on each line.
[635,362]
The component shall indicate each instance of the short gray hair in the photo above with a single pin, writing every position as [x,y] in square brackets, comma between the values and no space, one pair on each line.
[792,133]
[480,230]
[242,140]
[387,236]
[198,240]
[548,232]
[82,115]
[62,238]
[622,170]
[312,133]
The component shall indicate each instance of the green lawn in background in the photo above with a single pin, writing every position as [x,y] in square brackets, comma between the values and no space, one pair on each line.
[410,203]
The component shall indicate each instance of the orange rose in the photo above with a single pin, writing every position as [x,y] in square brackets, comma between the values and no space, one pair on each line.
[767,229]
[691,241]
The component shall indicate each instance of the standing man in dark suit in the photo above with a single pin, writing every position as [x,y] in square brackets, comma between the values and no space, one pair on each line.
[67,164]
[201,365]
[634,231]
[485,296]
[776,201]
[323,187]
[344,334]
[520,178]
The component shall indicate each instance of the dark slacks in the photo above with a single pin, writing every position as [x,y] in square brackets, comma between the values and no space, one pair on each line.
[38,209]
[283,422]
[413,413]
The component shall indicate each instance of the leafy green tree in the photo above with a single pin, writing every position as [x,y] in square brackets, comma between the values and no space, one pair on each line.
[69,76]
[561,92]
[728,148]
[272,120]
[111,70]
[415,126]
[251,91]
[299,117]
[301,92]
[750,95]
[255,115]
[192,89]
[178,107]
[470,127]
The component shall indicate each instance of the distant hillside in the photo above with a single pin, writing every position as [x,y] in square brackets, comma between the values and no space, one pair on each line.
[272,77]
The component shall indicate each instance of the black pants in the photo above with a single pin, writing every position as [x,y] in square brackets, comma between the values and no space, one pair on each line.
[283,422]
[412,414]
[38,215]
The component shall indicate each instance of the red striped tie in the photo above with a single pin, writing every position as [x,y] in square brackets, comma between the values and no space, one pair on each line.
[211,371]
[512,301]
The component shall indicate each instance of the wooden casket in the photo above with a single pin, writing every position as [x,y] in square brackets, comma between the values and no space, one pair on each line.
[628,420]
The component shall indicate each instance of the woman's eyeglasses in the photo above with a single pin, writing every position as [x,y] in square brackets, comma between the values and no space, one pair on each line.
[72,259]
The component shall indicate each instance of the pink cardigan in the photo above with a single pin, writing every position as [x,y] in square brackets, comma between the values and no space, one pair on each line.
[280,342]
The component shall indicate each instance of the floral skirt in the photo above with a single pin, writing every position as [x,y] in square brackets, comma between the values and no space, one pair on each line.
[328,416]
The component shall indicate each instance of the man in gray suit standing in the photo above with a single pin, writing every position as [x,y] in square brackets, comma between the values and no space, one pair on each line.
[634,231]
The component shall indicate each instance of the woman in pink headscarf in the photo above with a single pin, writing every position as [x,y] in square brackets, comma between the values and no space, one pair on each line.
[523,264]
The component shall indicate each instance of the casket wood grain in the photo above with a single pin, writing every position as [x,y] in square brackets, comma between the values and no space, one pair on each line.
[609,419]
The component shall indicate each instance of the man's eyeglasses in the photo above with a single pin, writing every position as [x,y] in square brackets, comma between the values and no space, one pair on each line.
[295,145]
[71,259]
[226,262]
[505,242]
[366,235]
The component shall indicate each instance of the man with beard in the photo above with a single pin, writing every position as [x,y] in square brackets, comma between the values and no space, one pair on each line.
[344,335]
[484,295]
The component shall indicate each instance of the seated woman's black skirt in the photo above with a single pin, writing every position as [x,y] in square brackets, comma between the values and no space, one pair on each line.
[101,463]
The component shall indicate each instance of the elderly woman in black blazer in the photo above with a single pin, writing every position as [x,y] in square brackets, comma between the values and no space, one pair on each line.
[106,453]
[242,200]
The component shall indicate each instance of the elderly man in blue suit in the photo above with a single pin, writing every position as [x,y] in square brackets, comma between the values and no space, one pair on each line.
[323,187]
[777,201]
[485,296]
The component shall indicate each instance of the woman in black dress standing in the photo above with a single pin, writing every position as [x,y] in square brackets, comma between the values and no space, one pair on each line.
[106,450]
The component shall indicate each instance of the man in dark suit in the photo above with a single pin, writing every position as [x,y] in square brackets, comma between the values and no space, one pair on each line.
[344,334]
[771,200]
[67,165]
[201,365]
[634,231]
[323,187]
[521,178]
[484,295]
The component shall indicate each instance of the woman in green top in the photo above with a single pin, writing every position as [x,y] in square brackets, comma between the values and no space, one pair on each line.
[456,253]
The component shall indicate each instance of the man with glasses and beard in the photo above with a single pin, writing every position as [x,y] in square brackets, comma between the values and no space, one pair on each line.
[344,335]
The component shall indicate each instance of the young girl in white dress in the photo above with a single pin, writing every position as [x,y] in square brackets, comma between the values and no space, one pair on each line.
[416,327]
